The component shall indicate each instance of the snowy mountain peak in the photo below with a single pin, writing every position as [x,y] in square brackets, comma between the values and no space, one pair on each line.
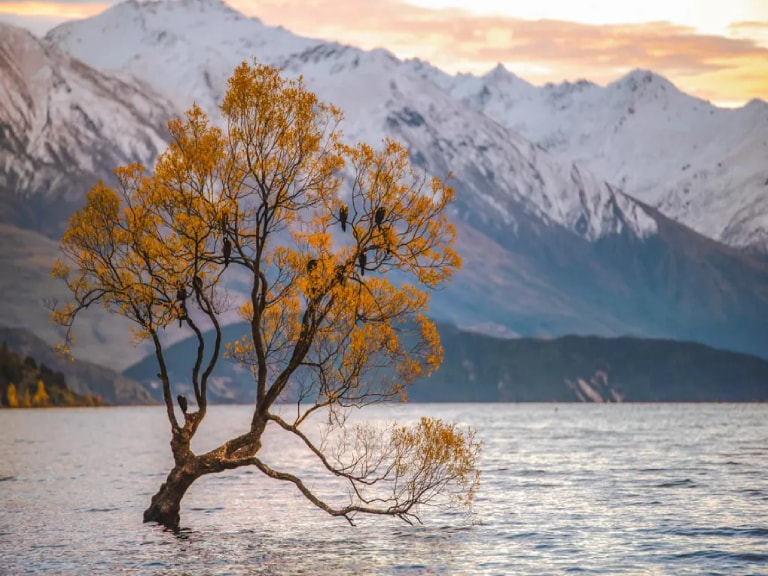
[504,178]
[565,91]
[756,104]
[698,164]
[202,6]
[497,72]
[197,42]
[62,124]
[641,82]
[502,78]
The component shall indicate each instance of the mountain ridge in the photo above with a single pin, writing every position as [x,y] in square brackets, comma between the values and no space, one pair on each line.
[549,248]
[481,368]
[700,165]
[62,126]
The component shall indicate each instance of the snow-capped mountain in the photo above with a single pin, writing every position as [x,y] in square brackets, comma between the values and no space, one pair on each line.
[62,124]
[548,247]
[189,48]
[704,166]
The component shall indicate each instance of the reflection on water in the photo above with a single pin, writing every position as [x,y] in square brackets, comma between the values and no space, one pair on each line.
[670,489]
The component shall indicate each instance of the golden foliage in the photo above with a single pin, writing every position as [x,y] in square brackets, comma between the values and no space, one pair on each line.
[339,242]
[408,466]
[13,401]
[279,165]
[41,398]
[436,449]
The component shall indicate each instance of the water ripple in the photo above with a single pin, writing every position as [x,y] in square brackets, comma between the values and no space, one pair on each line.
[672,489]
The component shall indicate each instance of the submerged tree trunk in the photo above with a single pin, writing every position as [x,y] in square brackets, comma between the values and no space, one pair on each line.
[166,504]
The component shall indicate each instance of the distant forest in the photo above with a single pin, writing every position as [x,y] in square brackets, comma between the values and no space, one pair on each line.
[25,384]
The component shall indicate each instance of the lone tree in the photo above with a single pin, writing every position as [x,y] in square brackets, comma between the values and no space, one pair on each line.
[329,325]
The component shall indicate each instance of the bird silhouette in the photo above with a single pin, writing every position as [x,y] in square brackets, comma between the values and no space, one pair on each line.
[181,297]
[227,250]
[378,217]
[363,260]
[311,266]
[182,402]
[343,215]
[341,277]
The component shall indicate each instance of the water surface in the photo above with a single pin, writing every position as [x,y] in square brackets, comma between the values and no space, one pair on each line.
[617,489]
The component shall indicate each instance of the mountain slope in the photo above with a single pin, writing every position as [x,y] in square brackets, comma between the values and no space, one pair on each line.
[161,44]
[62,126]
[589,369]
[703,166]
[26,287]
[548,247]
[479,368]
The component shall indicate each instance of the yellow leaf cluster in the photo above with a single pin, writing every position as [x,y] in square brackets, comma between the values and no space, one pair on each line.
[13,400]
[339,242]
[436,449]
[41,398]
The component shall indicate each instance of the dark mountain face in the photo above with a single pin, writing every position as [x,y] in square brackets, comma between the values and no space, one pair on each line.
[590,369]
[479,368]
[545,281]
[229,383]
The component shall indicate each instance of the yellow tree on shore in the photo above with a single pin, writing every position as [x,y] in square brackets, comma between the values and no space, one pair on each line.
[340,245]
[41,398]
[13,400]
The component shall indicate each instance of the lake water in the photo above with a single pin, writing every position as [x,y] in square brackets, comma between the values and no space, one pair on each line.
[616,489]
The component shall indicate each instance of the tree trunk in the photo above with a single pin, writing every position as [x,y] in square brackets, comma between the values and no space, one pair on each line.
[165,505]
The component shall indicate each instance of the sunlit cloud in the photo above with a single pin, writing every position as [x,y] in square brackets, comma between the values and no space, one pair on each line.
[51,10]
[728,64]
[39,17]
[724,69]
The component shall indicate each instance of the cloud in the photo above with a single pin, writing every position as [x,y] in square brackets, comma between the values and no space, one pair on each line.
[64,10]
[540,50]
[749,25]
[731,68]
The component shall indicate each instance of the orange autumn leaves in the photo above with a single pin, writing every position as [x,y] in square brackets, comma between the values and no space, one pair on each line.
[273,182]
[337,246]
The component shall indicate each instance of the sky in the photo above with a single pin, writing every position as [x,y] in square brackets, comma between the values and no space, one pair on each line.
[714,49]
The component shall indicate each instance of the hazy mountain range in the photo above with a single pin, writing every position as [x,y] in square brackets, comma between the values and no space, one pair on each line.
[480,368]
[631,209]
[703,166]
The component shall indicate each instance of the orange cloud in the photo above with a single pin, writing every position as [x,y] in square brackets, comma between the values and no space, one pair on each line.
[724,69]
[57,10]
[749,25]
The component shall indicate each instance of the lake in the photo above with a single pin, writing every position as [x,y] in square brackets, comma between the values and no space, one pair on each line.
[592,489]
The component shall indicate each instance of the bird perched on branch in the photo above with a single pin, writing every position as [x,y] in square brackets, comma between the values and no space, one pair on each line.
[343,215]
[311,265]
[227,251]
[341,277]
[181,297]
[182,402]
[363,260]
[379,216]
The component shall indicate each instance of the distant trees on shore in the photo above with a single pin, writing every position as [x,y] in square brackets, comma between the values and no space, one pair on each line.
[24,384]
